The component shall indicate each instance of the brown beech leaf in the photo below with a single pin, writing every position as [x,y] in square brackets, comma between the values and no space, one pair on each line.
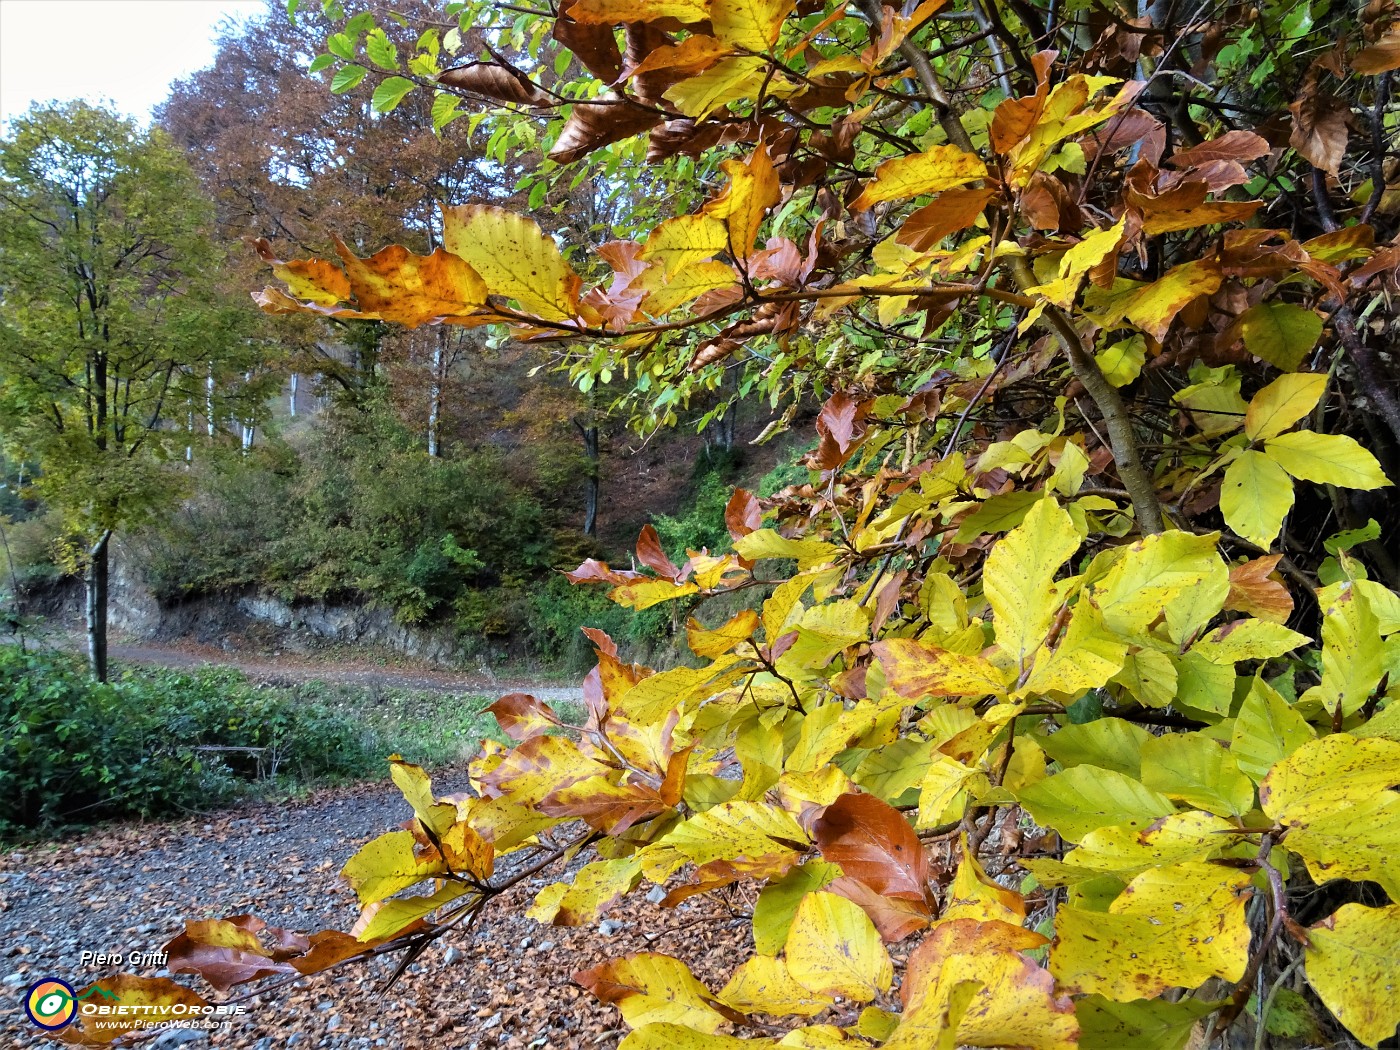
[495,80]
[894,917]
[1252,591]
[593,45]
[225,952]
[393,284]
[522,716]
[1238,146]
[1320,128]
[1380,57]
[742,514]
[841,428]
[650,554]
[873,843]
[953,210]
[593,125]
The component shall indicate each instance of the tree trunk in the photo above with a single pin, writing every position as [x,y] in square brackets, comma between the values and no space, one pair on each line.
[435,395]
[591,478]
[96,587]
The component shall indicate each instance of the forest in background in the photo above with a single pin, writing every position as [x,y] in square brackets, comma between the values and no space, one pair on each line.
[439,474]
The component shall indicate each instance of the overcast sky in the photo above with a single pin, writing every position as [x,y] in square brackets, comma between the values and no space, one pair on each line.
[125,52]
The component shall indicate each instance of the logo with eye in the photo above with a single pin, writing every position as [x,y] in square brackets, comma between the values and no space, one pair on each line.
[51,1004]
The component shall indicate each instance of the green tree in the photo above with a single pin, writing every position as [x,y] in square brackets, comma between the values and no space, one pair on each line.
[113,328]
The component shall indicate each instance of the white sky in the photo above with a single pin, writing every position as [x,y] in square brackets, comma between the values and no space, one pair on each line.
[123,52]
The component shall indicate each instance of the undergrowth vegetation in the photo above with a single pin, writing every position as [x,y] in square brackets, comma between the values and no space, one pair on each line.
[152,743]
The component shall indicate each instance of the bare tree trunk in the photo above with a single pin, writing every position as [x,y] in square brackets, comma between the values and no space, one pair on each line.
[435,395]
[95,581]
[292,397]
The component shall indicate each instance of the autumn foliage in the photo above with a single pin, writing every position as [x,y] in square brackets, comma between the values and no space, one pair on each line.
[1066,712]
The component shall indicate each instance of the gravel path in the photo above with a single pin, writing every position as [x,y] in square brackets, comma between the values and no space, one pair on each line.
[505,983]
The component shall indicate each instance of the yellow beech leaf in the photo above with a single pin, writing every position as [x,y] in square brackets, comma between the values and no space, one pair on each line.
[834,949]
[663,1036]
[943,780]
[1085,798]
[149,1000]
[595,889]
[753,189]
[388,918]
[1019,576]
[1248,640]
[749,24]
[1146,581]
[1336,797]
[314,280]
[654,698]
[915,670]
[644,592]
[1172,927]
[689,284]
[1153,307]
[972,895]
[939,168]
[1087,657]
[1197,770]
[1267,730]
[611,12]
[766,543]
[1078,261]
[971,977]
[650,987]
[694,54]
[396,285]
[1352,961]
[736,829]
[711,643]
[1327,459]
[686,239]
[762,985]
[725,82]
[1280,333]
[514,257]
[417,789]
[1282,403]
[1127,852]
[385,865]
[820,1037]
[1255,496]
[1122,362]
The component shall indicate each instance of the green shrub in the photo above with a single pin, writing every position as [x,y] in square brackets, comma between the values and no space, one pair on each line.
[559,611]
[72,750]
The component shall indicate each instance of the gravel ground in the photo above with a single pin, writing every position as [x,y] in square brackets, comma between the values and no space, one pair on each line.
[505,983]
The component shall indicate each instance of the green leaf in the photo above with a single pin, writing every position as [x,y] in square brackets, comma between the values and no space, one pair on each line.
[321,62]
[445,110]
[1108,742]
[1349,538]
[390,93]
[777,904]
[1197,770]
[1121,362]
[1144,1024]
[347,78]
[1266,731]
[1255,496]
[342,45]
[1085,798]
[1281,333]
[1327,459]
[381,50]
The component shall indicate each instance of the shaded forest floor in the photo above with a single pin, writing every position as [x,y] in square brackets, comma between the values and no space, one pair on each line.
[504,983]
